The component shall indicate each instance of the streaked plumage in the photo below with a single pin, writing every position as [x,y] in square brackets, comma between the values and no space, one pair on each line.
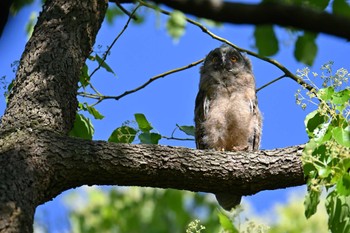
[227,116]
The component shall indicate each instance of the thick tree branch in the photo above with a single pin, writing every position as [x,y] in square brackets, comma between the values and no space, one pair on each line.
[72,162]
[265,13]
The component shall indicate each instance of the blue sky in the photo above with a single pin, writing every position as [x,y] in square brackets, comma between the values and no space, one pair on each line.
[146,50]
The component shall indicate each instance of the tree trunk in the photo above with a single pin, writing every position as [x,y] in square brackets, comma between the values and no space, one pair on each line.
[43,97]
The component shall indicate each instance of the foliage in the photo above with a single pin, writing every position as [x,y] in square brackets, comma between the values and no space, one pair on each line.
[141,210]
[17,5]
[144,131]
[157,210]
[265,40]
[290,220]
[176,24]
[326,157]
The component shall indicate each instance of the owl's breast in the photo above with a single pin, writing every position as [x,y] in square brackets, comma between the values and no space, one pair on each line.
[229,120]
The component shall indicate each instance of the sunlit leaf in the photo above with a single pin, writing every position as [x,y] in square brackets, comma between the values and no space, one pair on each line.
[306,48]
[142,122]
[31,23]
[226,223]
[83,127]
[312,121]
[311,202]
[93,111]
[149,138]
[189,130]
[84,77]
[338,209]
[326,93]
[176,24]
[124,134]
[341,97]
[266,40]
[343,185]
[104,64]
[342,135]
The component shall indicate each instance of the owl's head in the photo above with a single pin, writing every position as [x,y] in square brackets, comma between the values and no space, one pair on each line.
[226,59]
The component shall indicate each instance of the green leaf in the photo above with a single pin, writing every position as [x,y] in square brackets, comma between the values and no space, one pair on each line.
[124,134]
[312,199]
[9,88]
[83,127]
[31,23]
[342,135]
[227,224]
[341,97]
[84,77]
[341,7]
[306,48]
[93,111]
[338,209]
[142,122]
[176,24]
[189,130]
[324,172]
[112,13]
[266,40]
[149,138]
[103,64]
[312,121]
[319,4]
[343,185]
[326,93]
[18,5]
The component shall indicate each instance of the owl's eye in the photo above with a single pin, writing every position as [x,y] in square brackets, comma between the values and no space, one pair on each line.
[214,59]
[233,59]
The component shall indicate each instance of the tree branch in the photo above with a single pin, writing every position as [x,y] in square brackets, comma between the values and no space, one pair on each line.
[72,162]
[287,73]
[264,13]
[154,78]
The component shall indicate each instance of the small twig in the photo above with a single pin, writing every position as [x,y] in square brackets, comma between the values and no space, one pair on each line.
[115,40]
[179,139]
[89,95]
[269,83]
[286,72]
[95,90]
[103,97]
[125,11]
[158,77]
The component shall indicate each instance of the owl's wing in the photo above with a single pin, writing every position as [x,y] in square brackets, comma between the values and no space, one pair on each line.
[201,109]
[255,139]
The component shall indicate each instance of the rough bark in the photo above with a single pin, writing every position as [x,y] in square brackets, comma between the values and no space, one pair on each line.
[43,96]
[55,163]
[44,93]
[287,15]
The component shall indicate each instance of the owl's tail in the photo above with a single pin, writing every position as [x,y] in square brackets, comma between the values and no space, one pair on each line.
[227,200]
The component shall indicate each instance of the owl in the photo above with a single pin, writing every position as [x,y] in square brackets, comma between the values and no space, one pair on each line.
[227,117]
